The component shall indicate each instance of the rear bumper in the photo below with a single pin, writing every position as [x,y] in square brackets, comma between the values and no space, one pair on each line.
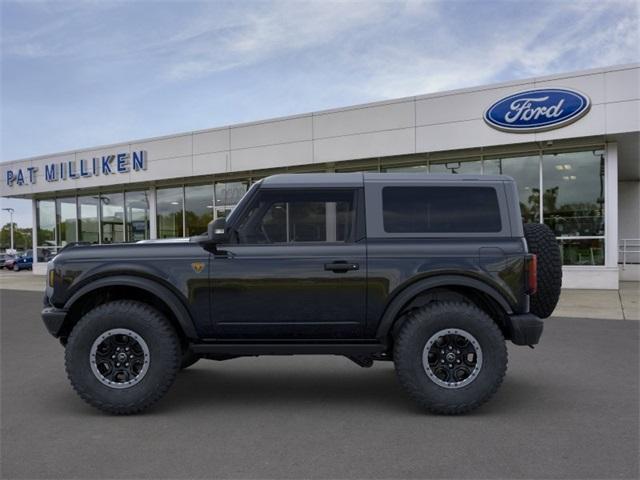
[525,329]
[53,319]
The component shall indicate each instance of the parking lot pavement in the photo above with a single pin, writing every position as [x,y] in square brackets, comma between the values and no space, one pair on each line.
[568,409]
[22,280]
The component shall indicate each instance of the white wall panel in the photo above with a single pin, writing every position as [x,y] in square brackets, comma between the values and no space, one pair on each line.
[592,85]
[366,145]
[622,85]
[210,163]
[165,168]
[455,108]
[286,154]
[271,133]
[469,134]
[166,147]
[367,119]
[212,141]
[592,123]
[623,117]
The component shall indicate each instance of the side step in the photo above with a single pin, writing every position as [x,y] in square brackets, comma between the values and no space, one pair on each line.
[349,349]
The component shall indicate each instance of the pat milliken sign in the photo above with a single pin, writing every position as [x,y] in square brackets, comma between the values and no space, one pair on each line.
[537,110]
[105,165]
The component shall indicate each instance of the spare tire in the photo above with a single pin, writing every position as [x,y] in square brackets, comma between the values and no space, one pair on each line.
[542,242]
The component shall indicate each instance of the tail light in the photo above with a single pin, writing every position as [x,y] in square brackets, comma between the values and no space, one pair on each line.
[532,274]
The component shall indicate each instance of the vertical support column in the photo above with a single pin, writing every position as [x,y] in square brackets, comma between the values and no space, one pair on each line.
[611,205]
[34,234]
[153,217]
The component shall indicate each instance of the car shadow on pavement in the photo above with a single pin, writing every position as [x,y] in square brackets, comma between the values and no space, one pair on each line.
[373,389]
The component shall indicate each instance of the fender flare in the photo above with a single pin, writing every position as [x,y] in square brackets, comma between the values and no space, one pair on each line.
[169,298]
[400,299]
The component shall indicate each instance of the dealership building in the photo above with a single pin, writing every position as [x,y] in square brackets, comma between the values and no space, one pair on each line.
[571,141]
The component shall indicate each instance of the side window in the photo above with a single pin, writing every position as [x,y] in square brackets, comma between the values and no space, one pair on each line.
[440,210]
[298,217]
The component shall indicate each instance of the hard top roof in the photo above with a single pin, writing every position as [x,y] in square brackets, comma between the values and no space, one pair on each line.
[357,179]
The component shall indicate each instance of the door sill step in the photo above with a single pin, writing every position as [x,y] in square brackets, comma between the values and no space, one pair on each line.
[291,348]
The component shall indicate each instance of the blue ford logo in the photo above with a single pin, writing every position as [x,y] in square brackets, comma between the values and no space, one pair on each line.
[536,110]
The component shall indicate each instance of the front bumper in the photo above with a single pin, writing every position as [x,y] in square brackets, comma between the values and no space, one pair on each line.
[53,319]
[525,329]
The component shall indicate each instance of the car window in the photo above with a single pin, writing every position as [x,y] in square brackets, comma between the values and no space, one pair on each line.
[440,210]
[299,217]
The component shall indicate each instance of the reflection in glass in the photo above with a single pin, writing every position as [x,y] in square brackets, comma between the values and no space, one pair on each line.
[88,219]
[66,220]
[169,207]
[582,251]
[137,215]
[526,172]
[227,195]
[574,193]
[198,208]
[112,216]
[408,169]
[46,223]
[468,167]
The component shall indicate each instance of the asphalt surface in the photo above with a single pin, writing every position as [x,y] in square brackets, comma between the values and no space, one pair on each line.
[568,409]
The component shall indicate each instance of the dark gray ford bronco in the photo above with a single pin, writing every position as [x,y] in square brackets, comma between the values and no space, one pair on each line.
[432,272]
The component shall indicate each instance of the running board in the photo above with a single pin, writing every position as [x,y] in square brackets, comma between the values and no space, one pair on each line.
[288,348]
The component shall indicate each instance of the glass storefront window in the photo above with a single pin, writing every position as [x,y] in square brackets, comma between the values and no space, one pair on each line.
[66,220]
[169,203]
[573,199]
[408,169]
[46,223]
[137,215]
[198,208]
[468,167]
[227,195]
[582,251]
[88,228]
[112,217]
[526,172]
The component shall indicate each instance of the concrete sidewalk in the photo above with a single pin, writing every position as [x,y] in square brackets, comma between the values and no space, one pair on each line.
[623,304]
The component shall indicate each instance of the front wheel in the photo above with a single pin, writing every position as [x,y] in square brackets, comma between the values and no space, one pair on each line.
[122,356]
[450,357]
[16,268]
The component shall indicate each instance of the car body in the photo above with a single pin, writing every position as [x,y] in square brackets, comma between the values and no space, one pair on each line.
[6,260]
[22,262]
[320,264]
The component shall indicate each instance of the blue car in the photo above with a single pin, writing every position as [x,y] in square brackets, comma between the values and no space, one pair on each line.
[24,261]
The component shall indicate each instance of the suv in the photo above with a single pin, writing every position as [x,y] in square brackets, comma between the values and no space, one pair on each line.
[432,272]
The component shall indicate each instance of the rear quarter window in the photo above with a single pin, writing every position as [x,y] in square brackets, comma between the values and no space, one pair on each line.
[440,209]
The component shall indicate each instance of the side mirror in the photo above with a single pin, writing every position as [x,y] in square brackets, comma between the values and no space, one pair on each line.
[217,231]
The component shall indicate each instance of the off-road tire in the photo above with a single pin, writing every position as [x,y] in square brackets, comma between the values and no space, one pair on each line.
[415,331]
[542,242]
[165,355]
[188,359]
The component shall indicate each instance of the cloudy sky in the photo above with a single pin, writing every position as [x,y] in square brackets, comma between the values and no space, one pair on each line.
[79,74]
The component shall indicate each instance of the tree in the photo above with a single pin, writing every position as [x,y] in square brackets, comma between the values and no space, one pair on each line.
[22,238]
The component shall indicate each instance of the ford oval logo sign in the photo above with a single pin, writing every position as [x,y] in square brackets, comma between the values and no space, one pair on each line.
[537,110]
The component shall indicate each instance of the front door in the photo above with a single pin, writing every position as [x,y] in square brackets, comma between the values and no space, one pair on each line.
[297,268]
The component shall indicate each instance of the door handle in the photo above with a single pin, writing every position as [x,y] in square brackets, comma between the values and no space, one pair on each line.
[341,266]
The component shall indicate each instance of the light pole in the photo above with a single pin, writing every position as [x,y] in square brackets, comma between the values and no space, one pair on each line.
[10,210]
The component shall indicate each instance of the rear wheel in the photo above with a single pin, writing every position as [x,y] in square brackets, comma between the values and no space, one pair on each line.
[122,356]
[450,357]
[542,242]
